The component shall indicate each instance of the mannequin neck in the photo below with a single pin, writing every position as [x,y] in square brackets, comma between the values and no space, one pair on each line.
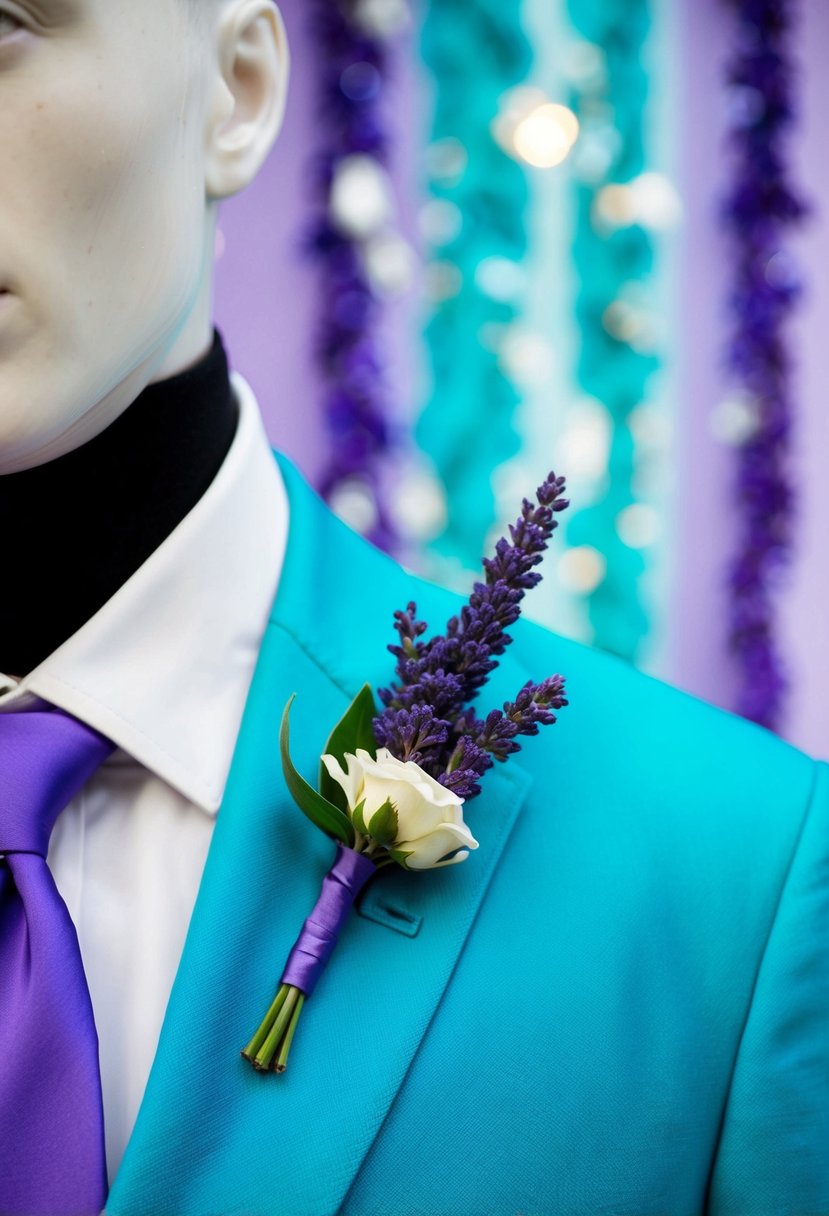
[75,529]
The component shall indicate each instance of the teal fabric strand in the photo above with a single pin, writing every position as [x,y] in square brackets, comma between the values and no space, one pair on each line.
[475,54]
[611,367]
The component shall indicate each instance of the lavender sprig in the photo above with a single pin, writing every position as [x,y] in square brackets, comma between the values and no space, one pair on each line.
[427,717]
[427,720]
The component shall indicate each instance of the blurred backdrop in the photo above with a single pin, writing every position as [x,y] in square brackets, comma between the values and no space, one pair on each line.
[499,237]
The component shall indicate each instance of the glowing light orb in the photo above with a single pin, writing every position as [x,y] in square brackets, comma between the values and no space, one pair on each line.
[532,128]
[582,568]
[545,136]
[638,525]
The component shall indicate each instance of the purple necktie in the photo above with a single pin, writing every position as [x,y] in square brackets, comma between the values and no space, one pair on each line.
[52,1160]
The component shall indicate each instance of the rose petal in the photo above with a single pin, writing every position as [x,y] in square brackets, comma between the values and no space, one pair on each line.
[411,772]
[427,851]
[351,782]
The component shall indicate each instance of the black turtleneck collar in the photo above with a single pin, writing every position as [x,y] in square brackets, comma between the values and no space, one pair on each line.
[75,529]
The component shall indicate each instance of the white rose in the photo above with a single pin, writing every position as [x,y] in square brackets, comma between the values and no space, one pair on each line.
[429,817]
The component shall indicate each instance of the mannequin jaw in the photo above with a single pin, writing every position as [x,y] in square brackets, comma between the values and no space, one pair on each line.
[107,284]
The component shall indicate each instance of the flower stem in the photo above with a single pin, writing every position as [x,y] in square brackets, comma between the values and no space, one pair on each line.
[268,1050]
[252,1049]
[282,1058]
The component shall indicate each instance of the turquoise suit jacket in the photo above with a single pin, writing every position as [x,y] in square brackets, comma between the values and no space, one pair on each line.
[618,1004]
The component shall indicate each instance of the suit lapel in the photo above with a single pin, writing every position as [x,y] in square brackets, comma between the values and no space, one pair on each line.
[212,1135]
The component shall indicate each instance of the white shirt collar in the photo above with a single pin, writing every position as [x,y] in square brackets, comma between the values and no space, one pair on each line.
[163,668]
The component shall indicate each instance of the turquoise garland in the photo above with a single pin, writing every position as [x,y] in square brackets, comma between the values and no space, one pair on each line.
[608,264]
[475,53]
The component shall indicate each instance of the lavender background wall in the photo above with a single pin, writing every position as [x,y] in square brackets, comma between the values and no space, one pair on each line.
[266,299]
[702,536]
[266,305]
[264,288]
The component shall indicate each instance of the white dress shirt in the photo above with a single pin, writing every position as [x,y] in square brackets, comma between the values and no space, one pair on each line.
[163,669]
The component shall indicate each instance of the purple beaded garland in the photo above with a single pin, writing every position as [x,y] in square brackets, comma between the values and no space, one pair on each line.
[353,68]
[759,209]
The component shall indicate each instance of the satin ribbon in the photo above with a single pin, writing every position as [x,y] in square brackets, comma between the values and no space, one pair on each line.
[340,888]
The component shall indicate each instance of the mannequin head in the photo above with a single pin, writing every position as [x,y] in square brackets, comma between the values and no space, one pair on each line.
[124,124]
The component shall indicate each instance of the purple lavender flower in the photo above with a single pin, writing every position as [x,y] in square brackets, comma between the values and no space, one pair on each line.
[427,717]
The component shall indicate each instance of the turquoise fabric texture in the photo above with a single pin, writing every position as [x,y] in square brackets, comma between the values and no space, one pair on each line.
[618,1004]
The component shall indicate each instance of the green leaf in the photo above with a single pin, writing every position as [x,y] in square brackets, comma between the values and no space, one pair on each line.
[353,730]
[399,855]
[383,825]
[357,818]
[320,811]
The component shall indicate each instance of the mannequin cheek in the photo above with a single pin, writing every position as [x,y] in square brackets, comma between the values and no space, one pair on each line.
[128,257]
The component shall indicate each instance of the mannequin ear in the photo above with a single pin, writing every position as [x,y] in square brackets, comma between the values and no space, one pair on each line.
[249,103]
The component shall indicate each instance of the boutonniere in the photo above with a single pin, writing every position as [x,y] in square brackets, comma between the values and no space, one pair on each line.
[393,783]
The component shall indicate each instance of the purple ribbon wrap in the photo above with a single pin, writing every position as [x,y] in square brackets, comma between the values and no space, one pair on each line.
[312,949]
